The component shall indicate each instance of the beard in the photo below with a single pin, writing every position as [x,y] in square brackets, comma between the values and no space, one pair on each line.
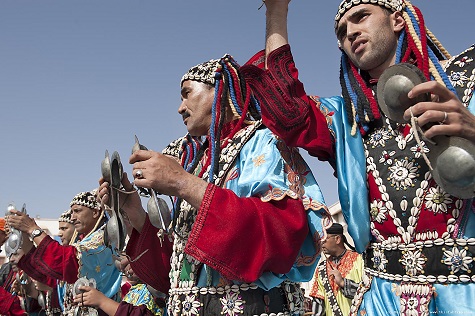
[380,50]
[380,54]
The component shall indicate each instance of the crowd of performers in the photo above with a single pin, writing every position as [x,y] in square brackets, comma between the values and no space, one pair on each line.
[248,223]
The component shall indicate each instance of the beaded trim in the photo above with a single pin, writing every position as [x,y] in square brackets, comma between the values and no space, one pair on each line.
[422,278]
[173,149]
[388,245]
[230,153]
[415,298]
[363,287]
[345,5]
[230,297]
[409,233]
[322,272]
[461,72]
[213,290]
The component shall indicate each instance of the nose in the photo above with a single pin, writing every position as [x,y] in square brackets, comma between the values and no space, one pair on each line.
[182,108]
[351,32]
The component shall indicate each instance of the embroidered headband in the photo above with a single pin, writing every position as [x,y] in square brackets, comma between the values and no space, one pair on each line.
[205,72]
[87,199]
[345,5]
[66,217]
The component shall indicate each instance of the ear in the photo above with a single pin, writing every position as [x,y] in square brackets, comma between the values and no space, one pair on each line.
[95,213]
[398,21]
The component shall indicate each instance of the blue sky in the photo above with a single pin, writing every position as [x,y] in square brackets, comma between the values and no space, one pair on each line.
[80,77]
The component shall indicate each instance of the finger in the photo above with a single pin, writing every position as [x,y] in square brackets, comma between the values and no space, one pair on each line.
[103,190]
[427,112]
[432,87]
[140,155]
[128,186]
[16,212]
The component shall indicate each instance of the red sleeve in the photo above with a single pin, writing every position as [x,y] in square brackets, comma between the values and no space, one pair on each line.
[28,265]
[126,309]
[154,264]
[244,237]
[286,109]
[52,260]
[10,304]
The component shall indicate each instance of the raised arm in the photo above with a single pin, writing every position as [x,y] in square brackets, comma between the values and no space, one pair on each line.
[276,24]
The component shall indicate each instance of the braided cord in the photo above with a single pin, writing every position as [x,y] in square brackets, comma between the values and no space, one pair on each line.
[438,44]
[416,42]
[347,80]
[348,94]
[213,128]
[400,43]
[367,92]
[434,70]
[232,79]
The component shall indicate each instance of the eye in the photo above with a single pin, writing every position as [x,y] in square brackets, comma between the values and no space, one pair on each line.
[341,34]
[361,16]
[184,93]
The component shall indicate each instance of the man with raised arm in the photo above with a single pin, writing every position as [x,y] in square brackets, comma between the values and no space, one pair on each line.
[418,238]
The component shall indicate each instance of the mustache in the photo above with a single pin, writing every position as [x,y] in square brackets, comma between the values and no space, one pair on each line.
[185,115]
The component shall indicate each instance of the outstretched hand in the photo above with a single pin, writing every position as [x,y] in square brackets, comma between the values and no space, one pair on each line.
[445,111]
[21,221]
[165,175]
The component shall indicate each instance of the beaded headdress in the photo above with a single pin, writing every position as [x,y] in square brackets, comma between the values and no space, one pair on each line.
[66,217]
[204,72]
[87,199]
[416,45]
[345,5]
[230,88]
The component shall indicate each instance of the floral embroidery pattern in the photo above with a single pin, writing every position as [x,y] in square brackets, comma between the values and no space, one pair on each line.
[413,261]
[458,259]
[437,200]
[174,306]
[418,150]
[403,173]
[463,61]
[386,157]
[232,304]
[325,111]
[191,305]
[379,138]
[402,140]
[259,160]
[378,211]
[457,78]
